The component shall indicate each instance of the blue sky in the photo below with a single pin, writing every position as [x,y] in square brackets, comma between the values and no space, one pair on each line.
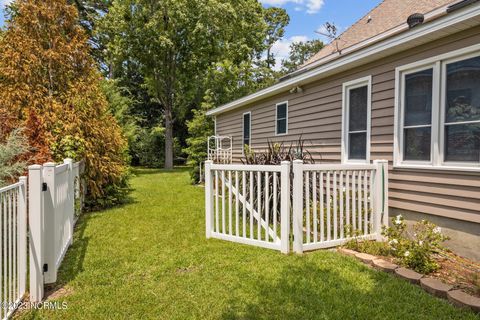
[306,16]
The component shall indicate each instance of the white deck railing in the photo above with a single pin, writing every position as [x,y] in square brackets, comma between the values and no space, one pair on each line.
[13,254]
[220,149]
[331,203]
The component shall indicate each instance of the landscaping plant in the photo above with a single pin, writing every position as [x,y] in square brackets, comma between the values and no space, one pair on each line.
[12,148]
[416,251]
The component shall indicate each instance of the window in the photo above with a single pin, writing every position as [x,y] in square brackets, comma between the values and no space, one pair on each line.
[438,112]
[417,119]
[462,111]
[356,121]
[247,123]
[281,125]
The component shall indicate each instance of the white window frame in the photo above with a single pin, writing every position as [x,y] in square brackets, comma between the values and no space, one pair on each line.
[347,86]
[243,131]
[276,118]
[439,64]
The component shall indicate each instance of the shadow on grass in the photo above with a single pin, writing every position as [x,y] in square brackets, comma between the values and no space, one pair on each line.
[72,264]
[309,291]
[147,171]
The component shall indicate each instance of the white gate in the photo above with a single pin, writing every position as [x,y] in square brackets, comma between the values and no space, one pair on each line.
[248,204]
[13,252]
[331,203]
[334,203]
[52,197]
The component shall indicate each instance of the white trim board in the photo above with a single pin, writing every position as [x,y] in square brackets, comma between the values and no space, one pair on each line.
[347,86]
[438,28]
[438,64]
[276,119]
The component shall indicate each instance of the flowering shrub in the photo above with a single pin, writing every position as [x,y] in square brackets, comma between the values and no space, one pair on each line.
[415,251]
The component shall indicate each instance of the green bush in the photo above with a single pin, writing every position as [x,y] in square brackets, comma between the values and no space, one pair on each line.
[14,146]
[417,250]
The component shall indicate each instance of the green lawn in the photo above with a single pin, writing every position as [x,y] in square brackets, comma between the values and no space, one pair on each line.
[150,260]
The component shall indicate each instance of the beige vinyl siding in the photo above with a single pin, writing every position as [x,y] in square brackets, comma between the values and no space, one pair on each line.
[316,116]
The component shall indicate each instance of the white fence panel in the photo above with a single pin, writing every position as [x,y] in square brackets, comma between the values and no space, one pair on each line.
[55,194]
[248,204]
[334,203]
[13,236]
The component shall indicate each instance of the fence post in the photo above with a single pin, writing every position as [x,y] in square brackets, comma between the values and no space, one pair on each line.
[22,235]
[285,206]
[49,203]
[208,199]
[298,206]
[36,227]
[71,198]
[380,188]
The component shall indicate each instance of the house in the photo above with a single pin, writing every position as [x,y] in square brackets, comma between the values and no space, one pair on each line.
[402,84]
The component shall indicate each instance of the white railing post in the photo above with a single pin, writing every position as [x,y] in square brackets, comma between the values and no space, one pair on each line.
[36,227]
[50,229]
[285,206]
[70,207]
[380,204]
[22,235]
[208,199]
[298,206]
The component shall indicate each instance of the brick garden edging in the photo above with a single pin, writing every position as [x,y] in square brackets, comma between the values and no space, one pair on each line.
[433,286]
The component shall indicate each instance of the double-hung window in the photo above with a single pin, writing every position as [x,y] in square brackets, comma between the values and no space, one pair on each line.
[247,129]
[281,118]
[438,112]
[356,120]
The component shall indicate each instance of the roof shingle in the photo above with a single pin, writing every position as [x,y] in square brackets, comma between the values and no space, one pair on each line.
[387,15]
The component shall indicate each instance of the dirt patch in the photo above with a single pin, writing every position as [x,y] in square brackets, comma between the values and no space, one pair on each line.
[55,293]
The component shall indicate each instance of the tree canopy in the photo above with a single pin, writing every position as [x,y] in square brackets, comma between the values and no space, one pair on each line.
[50,86]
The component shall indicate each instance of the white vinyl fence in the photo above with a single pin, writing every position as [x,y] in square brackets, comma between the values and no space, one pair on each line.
[53,194]
[13,255]
[248,204]
[332,204]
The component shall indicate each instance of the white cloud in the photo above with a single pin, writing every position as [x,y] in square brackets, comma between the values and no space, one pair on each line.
[281,49]
[313,6]
[310,6]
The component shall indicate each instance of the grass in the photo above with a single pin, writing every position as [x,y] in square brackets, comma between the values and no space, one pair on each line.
[150,260]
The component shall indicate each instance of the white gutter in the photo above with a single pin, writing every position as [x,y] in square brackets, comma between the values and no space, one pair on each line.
[346,59]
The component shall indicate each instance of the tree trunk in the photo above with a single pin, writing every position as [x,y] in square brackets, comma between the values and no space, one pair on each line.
[168,138]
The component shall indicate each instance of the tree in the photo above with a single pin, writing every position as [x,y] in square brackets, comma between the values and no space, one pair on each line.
[277,19]
[176,42]
[50,86]
[300,52]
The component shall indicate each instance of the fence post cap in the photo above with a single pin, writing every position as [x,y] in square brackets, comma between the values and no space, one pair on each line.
[22,178]
[298,161]
[380,161]
[208,162]
[34,167]
[49,164]
[67,160]
[285,163]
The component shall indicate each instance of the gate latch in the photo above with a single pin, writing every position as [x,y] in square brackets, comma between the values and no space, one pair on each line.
[44,186]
